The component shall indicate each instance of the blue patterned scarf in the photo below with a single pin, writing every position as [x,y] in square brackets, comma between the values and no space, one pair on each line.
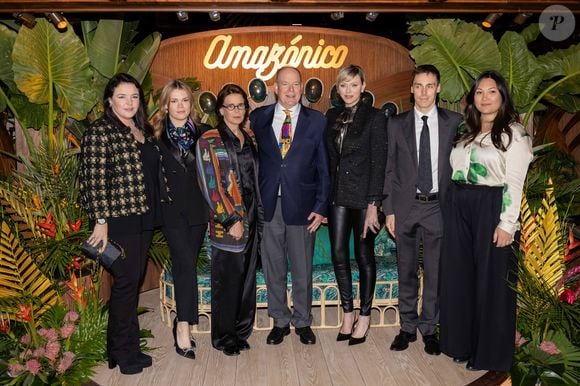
[183,137]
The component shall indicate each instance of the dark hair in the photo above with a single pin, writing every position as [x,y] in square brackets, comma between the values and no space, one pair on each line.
[141,115]
[427,69]
[506,114]
[230,89]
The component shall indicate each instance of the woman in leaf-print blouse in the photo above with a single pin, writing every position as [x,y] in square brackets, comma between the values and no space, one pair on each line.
[489,160]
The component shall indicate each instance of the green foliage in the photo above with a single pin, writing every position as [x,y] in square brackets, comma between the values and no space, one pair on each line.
[460,50]
[48,62]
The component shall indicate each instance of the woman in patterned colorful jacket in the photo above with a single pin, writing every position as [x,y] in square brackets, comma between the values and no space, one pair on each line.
[227,162]
[489,160]
[121,190]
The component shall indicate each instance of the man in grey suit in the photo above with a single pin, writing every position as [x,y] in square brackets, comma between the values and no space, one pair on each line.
[294,187]
[416,180]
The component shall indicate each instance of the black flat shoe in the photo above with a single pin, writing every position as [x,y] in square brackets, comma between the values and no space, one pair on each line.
[187,352]
[460,359]
[401,341]
[306,335]
[230,349]
[469,366]
[431,344]
[276,336]
[243,345]
[126,368]
[342,337]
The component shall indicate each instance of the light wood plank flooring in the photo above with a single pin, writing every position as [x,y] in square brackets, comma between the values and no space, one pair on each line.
[290,363]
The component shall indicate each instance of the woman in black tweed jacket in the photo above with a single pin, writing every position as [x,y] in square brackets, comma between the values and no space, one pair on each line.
[120,178]
[357,147]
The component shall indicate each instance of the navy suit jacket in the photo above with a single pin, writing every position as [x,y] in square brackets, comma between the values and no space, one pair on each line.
[303,174]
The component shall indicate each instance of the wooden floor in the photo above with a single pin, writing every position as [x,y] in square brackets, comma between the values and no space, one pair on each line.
[291,363]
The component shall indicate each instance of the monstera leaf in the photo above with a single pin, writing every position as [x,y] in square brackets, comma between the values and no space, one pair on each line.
[566,63]
[519,67]
[48,62]
[461,51]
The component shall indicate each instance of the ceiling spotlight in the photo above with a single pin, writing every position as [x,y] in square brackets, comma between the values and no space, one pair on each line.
[182,15]
[215,15]
[521,18]
[491,19]
[57,19]
[27,19]
[371,16]
[336,15]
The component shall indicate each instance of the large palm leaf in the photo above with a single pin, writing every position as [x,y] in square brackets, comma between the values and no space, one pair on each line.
[7,38]
[20,279]
[50,63]
[459,50]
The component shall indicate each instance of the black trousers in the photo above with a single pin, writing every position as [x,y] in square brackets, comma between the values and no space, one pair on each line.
[477,305]
[341,221]
[185,242]
[233,292]
[123,328]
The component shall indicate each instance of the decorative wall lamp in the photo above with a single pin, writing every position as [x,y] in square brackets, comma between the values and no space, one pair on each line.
[182,15]
[27,19]
[57,19]
[521,18]
[491,19]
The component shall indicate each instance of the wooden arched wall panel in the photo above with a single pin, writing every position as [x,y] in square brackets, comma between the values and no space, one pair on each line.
[381,58]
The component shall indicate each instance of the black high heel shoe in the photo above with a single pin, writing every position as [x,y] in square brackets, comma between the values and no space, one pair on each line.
[343,337]
[354,341]
[188,352]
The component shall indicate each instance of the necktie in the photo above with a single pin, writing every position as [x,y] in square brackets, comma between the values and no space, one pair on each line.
[425,178]
[286,134]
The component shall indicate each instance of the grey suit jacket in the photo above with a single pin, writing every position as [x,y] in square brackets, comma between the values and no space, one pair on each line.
[401,173]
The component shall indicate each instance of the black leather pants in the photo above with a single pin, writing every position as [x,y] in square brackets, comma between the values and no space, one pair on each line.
[341,221]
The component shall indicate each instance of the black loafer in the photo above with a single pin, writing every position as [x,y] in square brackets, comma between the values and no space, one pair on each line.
[243,345]
[306,335]
[401,341]
[276,336]
[431,344]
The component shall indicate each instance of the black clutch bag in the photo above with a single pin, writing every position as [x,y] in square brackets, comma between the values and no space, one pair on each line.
[112,252]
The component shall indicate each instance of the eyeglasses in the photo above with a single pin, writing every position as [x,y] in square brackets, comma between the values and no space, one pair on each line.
[240,107]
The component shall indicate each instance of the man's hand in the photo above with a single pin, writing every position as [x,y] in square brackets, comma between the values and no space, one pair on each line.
[371,221]
[237,230]
[391,224]
[99,235]
[316,220]
[502,238]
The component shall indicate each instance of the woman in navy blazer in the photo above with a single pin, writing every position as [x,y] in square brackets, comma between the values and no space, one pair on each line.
[185,217]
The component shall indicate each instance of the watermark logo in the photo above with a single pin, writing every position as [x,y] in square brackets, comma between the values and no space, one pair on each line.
[557,23]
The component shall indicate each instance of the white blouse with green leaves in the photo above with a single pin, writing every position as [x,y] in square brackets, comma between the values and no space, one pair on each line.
[481,163]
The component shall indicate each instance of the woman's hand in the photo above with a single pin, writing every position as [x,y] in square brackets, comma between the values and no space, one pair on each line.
[502,238]
[237,230]
[99,235]
[371,221]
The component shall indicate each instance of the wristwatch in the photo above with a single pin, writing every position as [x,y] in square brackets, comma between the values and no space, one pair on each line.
[101,221]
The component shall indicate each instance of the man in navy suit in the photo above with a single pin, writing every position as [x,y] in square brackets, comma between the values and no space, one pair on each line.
[294,186]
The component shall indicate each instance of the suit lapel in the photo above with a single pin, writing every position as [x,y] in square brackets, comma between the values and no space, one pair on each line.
[272,141]
[410,137]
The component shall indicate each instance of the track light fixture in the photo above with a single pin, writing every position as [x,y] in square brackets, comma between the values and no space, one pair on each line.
[214,15]
[491,19]
[371,16]
[521,18]
[27,19]
[57,19]
[336,15]
[182,15]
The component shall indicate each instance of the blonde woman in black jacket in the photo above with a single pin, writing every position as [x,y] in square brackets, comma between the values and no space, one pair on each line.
[357,147]
[120,190]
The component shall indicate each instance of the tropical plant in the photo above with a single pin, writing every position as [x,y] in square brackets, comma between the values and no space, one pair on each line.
[548,319]
[461,51]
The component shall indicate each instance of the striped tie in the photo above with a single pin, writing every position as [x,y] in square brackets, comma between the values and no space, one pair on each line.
[286,134]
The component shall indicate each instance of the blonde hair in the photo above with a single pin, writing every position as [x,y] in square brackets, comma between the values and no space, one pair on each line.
[347,73]
[158,120]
